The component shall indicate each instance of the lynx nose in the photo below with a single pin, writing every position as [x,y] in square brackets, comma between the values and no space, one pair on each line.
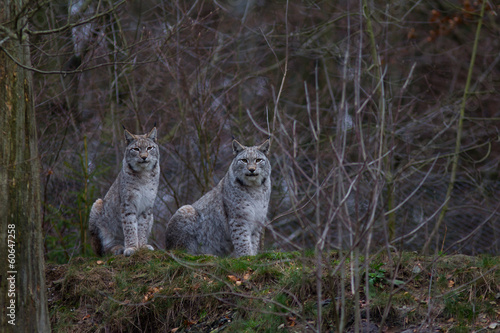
[251,168]
[144,156]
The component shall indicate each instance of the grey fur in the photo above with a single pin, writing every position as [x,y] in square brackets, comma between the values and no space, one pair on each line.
[230,218]
[122,221]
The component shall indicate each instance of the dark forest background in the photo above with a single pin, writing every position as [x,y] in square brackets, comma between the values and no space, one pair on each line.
[384,117]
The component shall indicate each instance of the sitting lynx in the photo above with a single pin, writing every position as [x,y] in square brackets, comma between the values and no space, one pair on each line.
[230,218]
[122,221]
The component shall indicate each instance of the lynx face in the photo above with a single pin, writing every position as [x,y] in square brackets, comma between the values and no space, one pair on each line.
[250,165]
[142,151]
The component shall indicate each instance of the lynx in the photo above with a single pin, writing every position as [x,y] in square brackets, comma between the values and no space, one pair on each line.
[122,221]
[230,218]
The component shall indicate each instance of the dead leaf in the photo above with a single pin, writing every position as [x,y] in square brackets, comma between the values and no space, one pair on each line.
[235,279]
[100,262]
[151,292]
[451,283]
[86,317]
[189,323]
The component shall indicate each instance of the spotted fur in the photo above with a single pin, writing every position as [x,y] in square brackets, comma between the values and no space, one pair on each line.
[230,218]
[122,221]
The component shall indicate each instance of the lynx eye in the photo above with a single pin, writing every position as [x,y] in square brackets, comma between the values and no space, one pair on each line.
[244,160]
[258,160]
[149,148]
[135,149]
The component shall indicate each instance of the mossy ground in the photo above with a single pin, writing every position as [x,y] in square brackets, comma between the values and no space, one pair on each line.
[174,292]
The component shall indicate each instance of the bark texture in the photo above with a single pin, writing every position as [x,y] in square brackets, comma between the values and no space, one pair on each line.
[22,279]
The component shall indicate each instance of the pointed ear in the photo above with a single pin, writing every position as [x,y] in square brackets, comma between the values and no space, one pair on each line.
[128,136]
[152,134]
[237,147]
[265,147]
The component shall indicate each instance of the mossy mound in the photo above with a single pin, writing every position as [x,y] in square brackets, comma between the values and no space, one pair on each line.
[174,292]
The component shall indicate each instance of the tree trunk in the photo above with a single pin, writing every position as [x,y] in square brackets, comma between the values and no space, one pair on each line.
[23,296]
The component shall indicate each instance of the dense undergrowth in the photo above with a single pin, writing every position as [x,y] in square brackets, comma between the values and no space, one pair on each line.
[175,292]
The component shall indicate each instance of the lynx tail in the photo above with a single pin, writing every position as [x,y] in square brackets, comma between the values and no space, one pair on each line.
[95,236]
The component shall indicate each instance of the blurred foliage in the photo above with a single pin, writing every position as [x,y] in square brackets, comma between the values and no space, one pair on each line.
[66,226]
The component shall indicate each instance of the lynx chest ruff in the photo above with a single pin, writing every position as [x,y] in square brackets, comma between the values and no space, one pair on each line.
[251,204]
[142,191]
[143,201]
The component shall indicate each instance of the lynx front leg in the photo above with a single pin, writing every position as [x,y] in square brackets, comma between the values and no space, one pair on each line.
[257,237]
[242,239]
[130,233]
[144,225]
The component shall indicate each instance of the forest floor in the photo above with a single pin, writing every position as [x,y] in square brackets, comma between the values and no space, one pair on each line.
[158,291]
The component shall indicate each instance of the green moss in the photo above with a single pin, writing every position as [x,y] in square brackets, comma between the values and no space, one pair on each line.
[460,329]
[278,255]
[258,321]
[267,273]
[238,265]
[458,307]
[488,262]
[404,299]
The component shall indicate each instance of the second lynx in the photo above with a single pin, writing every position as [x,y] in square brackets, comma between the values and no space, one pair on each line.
[230,218]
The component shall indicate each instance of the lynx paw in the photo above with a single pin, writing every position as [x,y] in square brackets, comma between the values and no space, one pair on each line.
[117,250]
[149,247]
[129,251]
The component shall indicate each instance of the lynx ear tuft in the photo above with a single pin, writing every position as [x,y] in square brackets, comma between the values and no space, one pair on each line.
[152,134]
[265,146]
[128,136]
[237,147]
